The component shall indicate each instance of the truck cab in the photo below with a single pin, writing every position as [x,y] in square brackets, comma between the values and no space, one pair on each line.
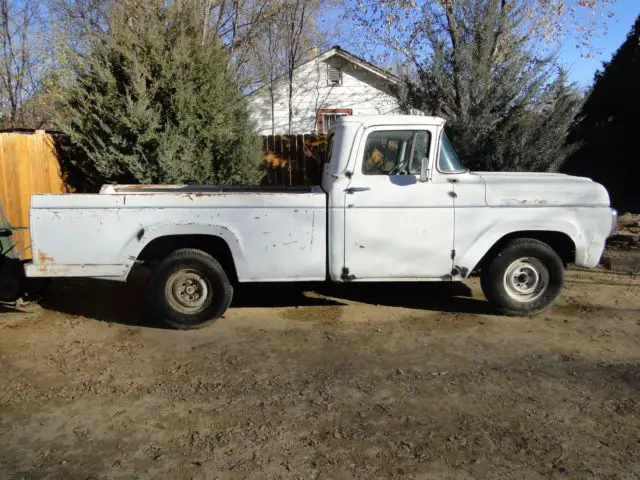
[385,194]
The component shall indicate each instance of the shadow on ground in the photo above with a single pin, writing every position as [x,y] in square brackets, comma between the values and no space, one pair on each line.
[126,303]
[452,297]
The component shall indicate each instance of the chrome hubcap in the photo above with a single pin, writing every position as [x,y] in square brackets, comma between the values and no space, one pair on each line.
[526,279]
[187,291]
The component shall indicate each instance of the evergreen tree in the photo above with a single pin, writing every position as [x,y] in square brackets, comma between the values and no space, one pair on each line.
[506,108]
[154,101]
[606,129]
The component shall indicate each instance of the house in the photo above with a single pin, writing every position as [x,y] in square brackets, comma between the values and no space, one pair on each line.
[329,85]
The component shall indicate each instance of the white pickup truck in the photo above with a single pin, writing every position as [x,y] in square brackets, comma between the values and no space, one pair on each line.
[395,205]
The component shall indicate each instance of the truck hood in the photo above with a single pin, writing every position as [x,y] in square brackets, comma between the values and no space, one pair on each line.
[542,189]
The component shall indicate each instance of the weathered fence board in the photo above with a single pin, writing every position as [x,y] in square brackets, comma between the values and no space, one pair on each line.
[294,159]
[28,166]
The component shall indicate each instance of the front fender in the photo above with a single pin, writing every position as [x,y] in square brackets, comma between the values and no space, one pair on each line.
[478,247]
[147,234]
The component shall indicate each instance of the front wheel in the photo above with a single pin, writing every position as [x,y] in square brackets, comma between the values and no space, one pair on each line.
[525,278]
[190,289]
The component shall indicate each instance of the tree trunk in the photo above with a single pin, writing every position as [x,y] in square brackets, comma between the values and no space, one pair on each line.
[273,110]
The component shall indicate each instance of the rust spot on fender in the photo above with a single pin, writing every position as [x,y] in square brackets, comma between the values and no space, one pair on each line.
[44,258]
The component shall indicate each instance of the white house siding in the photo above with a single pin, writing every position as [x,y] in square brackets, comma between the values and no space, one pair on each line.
[362,91]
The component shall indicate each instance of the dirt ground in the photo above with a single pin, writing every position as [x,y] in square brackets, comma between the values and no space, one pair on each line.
[381,381]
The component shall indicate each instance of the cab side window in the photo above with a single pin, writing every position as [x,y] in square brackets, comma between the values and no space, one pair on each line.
[395,152]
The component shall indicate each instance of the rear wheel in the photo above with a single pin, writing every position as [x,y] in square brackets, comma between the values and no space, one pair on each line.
[190,289]
[525,278]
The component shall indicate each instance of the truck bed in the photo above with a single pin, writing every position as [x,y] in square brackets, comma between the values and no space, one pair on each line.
[273,234]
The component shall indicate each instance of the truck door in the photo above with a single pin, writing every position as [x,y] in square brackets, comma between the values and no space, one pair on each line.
[396,227]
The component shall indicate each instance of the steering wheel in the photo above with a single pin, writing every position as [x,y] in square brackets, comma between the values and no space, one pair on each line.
[398,169]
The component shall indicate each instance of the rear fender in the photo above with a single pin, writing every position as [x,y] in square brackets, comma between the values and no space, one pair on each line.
[145,235]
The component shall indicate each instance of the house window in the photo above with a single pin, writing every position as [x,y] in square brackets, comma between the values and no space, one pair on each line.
[326,117]
[334,76]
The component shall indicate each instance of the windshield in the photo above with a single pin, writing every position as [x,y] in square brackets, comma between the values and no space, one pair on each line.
[449,161]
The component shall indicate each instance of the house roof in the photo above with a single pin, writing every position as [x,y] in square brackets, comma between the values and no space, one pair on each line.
[337,51]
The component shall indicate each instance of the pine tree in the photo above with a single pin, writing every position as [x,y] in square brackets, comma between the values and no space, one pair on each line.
[506,108]
[606,131]
[154,101]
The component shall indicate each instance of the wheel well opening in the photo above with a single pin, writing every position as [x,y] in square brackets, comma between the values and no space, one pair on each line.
[217,247]
[560,242]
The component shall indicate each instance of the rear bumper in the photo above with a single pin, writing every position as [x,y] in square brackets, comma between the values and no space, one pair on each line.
[46,270]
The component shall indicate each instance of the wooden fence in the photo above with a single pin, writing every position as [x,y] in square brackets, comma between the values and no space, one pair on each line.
[28,166]
[292,160]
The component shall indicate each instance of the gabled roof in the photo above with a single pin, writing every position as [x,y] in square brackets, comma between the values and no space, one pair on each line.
[350,57]
[337,51]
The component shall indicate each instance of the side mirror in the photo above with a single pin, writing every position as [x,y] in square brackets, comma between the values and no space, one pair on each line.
[424,169]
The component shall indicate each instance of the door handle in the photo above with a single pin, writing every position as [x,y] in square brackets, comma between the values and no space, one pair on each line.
[351,190]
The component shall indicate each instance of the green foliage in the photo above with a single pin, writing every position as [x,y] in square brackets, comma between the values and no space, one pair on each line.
[154,101]
[606,129]
[506,109]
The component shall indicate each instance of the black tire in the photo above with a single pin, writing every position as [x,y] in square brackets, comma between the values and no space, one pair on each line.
[210,291]
[512,273]
[12,279]
[37,287]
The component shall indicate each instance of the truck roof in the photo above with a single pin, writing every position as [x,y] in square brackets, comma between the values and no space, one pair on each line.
[394,119]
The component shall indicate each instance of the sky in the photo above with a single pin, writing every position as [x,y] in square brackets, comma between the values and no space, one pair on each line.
[581,70]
